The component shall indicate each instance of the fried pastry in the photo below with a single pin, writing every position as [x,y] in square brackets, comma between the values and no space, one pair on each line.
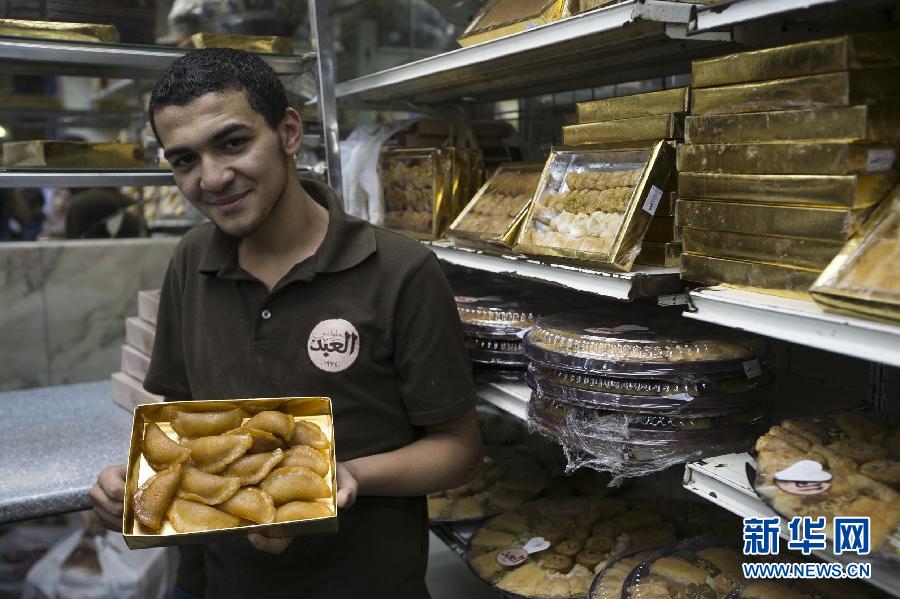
[277,423]
[263,441]
[588,558]
[555,562]
[213,454]
[295,483]
[302,510]
[205,424]
[492,539]
[207,488]
[486,565]
[884,471]
[678,570]
[153,498]
[858,451]
[250,469]
[250,504]
[161,451]
[307,433]
[190,516]
[304,455]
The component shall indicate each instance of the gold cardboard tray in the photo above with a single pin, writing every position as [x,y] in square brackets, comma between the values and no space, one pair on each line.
[807,158]
[864,278]
[878,122]
[656,127]
[829,224]
[759,276]
[311,409]
[264,44]
[417,188]
[611,238]
[814,254]
[660,253]
[72,154]
[69,32]
[840,191]
[857,51]
[832,89]
[668,101]
[579,6]
[466,176]
[499,18]
[477,226]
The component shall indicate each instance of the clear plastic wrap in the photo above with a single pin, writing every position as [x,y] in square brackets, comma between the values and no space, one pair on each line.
[416,190]
[496,352]
[610,581]
[595,206]
[824,588]
[640,342]
[838,464]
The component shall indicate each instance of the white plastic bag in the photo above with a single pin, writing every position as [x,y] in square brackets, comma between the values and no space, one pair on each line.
[123,574]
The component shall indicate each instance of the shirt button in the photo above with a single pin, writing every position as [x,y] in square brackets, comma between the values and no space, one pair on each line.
[266,315]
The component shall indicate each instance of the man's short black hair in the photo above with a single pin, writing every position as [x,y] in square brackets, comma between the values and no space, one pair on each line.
[200,72]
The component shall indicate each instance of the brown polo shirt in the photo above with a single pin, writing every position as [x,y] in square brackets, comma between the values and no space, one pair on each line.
[369,321]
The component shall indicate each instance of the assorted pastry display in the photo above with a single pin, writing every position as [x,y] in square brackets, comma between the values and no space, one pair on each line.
[409,193]
[221,469]
[495,207]
[689,569]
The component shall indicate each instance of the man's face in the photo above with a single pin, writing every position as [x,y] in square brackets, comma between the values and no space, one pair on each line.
[226,160]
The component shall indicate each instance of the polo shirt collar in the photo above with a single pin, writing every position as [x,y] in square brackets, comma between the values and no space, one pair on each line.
[348,241]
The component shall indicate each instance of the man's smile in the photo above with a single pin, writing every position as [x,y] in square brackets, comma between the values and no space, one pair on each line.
[230,203]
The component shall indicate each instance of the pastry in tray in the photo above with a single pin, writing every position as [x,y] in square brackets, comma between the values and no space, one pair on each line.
[690,569]
[493,210]
[837,464]
[611,579]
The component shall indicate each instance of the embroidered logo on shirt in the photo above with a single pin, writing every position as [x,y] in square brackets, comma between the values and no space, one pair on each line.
[333,345]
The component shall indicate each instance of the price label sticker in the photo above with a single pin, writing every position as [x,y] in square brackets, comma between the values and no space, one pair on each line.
[880,160]
[652,202]
[752,368]
[512,557]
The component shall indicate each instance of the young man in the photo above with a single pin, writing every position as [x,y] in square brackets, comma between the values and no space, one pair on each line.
[250,307]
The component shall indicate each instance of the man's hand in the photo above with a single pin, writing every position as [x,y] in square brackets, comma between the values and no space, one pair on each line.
[274,545]
[108,495]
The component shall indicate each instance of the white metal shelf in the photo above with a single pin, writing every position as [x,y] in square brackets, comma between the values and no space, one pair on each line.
[85,178]
[509,397]
[797,321]
[637,39]
[644,281]
[723,481]
[724,15]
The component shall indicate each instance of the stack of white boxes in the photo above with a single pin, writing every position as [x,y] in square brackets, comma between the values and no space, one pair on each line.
[128,384]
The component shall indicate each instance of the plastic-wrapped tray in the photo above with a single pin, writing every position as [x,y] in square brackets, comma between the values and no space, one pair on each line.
[640,342]
[707,396]
[499,18]
[837,464]
[417,187]
[495,317]
[610,581]
[823,588]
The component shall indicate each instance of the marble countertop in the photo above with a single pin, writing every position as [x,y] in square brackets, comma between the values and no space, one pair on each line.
[53,443]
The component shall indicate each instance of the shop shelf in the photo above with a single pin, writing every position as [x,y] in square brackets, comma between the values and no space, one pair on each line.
[509,397]
[48,177]
[723,15]
[455,536]
[84,118]
[797,321]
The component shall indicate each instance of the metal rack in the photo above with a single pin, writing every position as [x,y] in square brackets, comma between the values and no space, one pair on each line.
[509,397]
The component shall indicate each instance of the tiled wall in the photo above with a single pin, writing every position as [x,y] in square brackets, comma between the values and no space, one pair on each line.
[63,306]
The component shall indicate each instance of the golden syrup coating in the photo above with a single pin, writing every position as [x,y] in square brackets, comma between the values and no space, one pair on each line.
[207,488]
[302,510]
[304,455]
[213,454]
[277,423]
[307,433]
[205,424]
[153,498]
[251,504]
[295,483]
[190,516]
[250,469]
[160,451]
[263,441]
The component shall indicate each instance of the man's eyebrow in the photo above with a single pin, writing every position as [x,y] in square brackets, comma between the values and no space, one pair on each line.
[218,135]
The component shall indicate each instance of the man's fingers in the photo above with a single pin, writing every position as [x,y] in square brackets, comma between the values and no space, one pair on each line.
[346,498]
[103,503]
[112,482]
[267,544]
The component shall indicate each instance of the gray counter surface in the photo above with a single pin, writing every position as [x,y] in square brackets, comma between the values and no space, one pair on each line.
[53,443]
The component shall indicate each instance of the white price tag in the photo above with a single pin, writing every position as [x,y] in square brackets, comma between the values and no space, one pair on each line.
[880,160]
[652,202]
[752,368]
[536,544]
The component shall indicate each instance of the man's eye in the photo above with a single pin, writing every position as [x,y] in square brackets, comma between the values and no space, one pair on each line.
[234,144]
[183,161]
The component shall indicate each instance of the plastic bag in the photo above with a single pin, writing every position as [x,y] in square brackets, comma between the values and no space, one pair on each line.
[23,544]
[117,573]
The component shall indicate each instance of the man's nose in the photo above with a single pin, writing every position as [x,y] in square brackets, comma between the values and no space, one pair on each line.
[215,175]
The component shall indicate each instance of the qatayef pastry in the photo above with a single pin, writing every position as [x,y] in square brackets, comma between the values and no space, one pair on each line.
[213,454]
[203,487]
[294,484]
[160,451]
[277,423]
[302,510]
[251,469]
[250,504]
[190,516]
[263,441]
[153,498]
[205,424]
[304,455]
[307,433]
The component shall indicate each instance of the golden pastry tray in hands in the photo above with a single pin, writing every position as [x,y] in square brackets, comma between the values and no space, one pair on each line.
[274,476]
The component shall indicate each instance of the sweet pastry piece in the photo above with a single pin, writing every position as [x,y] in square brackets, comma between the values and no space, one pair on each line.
[160,451]
[304,455]
[884,471]
[612,578]
[153,498]
[295,483]
[679,570]
[568,547]
[250,469]
[203,487]
[555,562]
[205,424]
[250,504]
[263,441]
[308,433]
[486,565]
[213,454]
[302,510]
[276,423]
[190,516]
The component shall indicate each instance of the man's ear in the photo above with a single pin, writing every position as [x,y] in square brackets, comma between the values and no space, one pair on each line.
[291,131]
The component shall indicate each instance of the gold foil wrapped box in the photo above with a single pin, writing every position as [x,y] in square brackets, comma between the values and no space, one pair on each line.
[813,254]
[668,101]
[656,127]
[69,32]
[660,253]
[829,224]
[315,410]
[417,190]
[847,52]
[499,18]
[831,89]
[850,191]
[72,154]
[596,206]
[758,276]
[864,278]
[808,158]
[264,44]
[493,217]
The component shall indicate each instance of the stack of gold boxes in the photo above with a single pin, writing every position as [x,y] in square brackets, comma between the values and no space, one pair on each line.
[788,150]
[639,121]
[140,333]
